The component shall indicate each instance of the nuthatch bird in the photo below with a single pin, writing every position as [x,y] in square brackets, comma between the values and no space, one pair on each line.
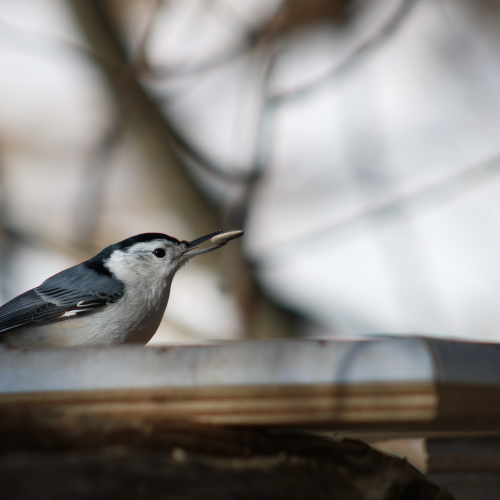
[118,296]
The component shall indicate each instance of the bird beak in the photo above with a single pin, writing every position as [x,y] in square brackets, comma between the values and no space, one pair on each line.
[219,238]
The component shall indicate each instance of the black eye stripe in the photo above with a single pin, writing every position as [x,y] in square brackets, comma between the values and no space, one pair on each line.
[159,252]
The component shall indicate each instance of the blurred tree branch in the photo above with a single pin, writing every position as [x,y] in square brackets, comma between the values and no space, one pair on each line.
[292,15]
[394,21]
[437,191]
[141,114]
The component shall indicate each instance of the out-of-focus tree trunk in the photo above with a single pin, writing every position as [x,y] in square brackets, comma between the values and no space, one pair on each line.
[144,121]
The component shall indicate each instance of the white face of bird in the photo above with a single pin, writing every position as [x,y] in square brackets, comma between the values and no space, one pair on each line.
[154,261]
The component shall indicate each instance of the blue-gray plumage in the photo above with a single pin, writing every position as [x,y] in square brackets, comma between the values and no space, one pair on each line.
[118,296]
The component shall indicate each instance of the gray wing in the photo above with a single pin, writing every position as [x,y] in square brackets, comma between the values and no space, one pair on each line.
[71,292]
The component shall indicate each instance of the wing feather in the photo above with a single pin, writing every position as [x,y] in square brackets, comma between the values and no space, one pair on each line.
[30,307]
[19,310]
[74,291]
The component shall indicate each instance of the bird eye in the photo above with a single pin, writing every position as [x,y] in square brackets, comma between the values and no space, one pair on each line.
[159,252]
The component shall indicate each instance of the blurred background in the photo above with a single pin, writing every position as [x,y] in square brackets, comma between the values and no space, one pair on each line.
[356,142]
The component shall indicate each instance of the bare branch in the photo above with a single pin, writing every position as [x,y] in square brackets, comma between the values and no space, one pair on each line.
[209,64]
[361,51]
[27,35]
[437,191]
[138,58]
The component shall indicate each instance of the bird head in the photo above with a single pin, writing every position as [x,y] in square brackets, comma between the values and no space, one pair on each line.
[154,256]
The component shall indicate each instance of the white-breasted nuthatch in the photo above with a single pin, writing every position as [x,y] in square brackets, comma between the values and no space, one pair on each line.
[118,296]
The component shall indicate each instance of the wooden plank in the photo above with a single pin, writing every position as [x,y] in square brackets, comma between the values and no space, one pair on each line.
[250,405]
[221,392]
[335,386]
